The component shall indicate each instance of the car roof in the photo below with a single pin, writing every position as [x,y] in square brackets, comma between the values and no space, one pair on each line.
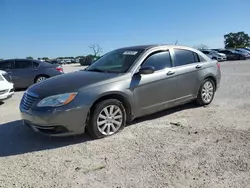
[23,60]
[149,46]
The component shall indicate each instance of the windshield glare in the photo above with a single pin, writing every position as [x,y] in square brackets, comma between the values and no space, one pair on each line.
[117,61]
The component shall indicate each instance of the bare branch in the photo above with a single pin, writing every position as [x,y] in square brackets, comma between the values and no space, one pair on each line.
[96,49]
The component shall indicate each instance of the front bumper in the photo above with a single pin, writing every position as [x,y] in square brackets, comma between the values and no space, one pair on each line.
[6,94]
[56,121]
[222,58]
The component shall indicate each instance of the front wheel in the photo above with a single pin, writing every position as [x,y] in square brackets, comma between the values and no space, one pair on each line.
[206,92]
[107,118]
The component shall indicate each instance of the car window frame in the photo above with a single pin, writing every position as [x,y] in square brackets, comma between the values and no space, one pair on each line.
[155,52]
[11,64]
[33,62]
[14,65]
[194,53]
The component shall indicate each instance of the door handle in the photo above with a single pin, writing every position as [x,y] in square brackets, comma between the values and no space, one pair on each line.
[198,66]
[170,73]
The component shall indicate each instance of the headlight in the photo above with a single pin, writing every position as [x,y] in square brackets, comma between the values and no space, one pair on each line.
[57,100]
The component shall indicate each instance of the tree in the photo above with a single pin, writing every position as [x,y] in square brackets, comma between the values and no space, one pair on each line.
[96,49]
[236,40]
[29,57]
[201,47]
[45,58]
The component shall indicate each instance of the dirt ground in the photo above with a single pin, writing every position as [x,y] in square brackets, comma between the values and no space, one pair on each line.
[188,146]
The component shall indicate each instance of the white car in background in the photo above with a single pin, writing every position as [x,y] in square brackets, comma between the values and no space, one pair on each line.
[6,87]
[215,55]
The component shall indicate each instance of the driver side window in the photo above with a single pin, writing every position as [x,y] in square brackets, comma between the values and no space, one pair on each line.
[159,60]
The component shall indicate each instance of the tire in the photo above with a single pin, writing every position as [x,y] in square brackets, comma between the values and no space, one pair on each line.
[107,126]
[40,78]
[242,58]
[206,92]
[214,58]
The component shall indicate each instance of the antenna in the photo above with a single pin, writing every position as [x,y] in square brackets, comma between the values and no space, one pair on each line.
[176,41]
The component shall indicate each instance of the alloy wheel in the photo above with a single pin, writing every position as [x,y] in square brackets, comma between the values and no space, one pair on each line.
[40,79]
[207,91]
[109,120]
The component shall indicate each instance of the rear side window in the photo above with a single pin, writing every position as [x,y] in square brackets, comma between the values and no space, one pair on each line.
[35,64]
[159,60]
[205,52]
[201,59]
[185,57]
[5,65]
[20,64]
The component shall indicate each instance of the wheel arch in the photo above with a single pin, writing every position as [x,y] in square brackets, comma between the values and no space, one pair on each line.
[213,79]
[116,95]
[39,75]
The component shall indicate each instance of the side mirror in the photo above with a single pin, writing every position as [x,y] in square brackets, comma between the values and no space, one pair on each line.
[147,70]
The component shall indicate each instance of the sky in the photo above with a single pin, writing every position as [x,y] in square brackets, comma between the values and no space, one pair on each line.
[54,28]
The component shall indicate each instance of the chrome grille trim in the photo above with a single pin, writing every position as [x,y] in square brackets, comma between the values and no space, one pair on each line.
[28,100]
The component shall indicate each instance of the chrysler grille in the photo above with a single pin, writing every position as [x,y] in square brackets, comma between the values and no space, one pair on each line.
[27,101]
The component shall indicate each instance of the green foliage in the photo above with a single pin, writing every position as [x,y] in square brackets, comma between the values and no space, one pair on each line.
[45,58]
[1,59]
[29,57]
[236,40]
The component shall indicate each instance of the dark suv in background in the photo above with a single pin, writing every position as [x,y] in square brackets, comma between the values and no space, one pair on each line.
[26,72]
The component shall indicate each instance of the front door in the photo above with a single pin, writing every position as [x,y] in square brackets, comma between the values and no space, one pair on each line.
[154,92]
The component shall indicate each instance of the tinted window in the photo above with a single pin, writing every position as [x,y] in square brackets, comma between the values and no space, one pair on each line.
[205,52]
[23,64]
[184,57]
[225,52]
[159,60]
[117,61]
[5,65]
[35,64]
[201,59]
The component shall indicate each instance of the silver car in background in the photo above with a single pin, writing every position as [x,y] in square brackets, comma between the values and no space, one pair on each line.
[122,85]
[214,55]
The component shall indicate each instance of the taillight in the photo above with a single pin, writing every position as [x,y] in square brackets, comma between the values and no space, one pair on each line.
[60,69]
[218,66]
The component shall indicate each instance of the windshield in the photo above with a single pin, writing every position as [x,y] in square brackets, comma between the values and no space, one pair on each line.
[117,61]
[243,50]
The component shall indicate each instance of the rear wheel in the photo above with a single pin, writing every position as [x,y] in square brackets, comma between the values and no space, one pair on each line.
[206,92]
[40,79]
[107,118]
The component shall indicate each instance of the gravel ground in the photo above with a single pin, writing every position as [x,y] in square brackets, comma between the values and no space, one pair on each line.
[187,146]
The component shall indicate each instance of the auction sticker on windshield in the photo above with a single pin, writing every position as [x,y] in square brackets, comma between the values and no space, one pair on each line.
[130,53]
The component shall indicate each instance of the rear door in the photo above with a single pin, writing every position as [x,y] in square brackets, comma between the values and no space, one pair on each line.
[23,73]
[187,64]
[6,65]
[229,54]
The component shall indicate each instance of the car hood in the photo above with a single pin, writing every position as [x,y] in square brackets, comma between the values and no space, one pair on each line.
[69,82]
[2,72]
[221,54]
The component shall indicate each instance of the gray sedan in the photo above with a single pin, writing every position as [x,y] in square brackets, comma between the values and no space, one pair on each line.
[25,72]
[124,84]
